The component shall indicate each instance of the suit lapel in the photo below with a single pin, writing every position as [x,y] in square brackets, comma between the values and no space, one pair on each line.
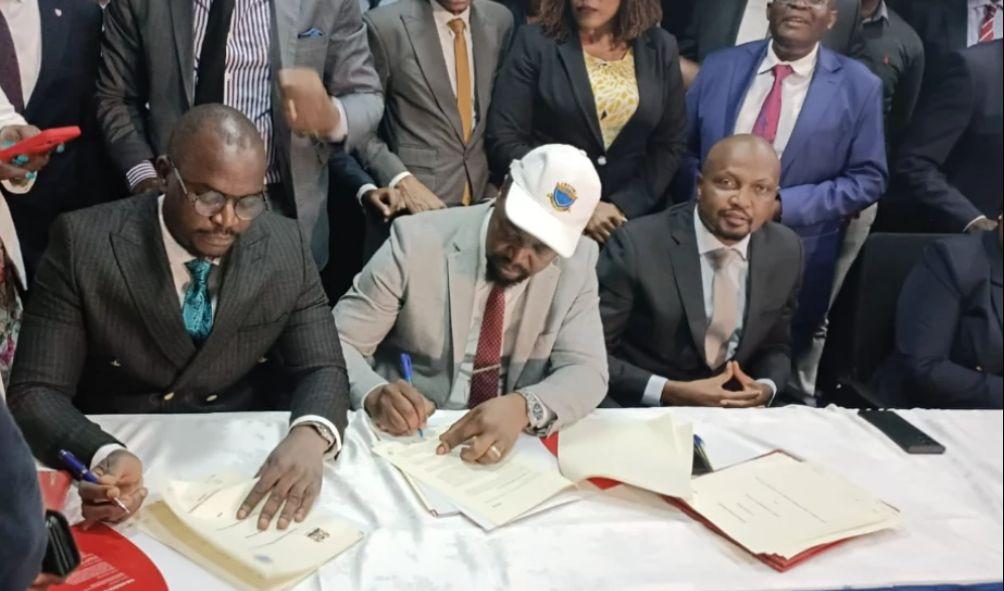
[539,293]
[142,260]
[286,12]
[739,84]
[570,52]
[421,28]
[957,24]
[55,28]
[182,20]
[822,89]
[687,271]
[485,58]
[462,271]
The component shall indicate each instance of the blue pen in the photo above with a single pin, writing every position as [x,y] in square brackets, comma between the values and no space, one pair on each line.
[699,446]
[80,472]
[406,373]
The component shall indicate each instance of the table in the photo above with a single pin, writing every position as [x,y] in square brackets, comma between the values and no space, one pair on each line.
[952,505]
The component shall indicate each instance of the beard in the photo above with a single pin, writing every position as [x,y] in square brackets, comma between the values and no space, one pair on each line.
[492,271]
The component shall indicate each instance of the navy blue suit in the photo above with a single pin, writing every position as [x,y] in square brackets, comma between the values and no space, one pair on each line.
[63,95]
[949,344]
[22,526]
[833,166]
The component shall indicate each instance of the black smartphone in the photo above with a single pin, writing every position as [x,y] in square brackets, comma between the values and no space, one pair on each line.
[62,555]
[895,427]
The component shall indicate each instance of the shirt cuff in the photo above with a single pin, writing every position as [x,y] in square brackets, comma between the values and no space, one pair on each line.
[397,179]
[363,190]
[19,187]
[969,225]
[103,452]
[342,130]
[308,419]
[652,396]
[362,401]
[538,414]
[139,173]
[773,389]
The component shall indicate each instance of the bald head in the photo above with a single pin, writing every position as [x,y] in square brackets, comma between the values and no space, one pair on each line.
[738,186]
[225,128]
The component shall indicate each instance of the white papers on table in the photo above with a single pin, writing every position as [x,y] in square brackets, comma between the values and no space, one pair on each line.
[778,505]
[491,494]
[434,501]
[200,518]
[655,455]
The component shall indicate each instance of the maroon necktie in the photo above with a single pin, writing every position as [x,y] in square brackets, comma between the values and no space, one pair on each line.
[488,358]
[10,73]
[770,112]
[987,25]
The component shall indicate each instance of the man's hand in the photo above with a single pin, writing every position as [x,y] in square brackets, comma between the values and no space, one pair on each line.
[416,196]
[120,476]
[749,385]
[306,103]
[292,474]
[606,218]
[398,408]
[492,428]
[154,183]
[981,225]
[708,392]
[13,134]
[383,203]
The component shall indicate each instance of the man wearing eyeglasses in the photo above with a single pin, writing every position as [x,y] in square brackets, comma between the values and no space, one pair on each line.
[194,300]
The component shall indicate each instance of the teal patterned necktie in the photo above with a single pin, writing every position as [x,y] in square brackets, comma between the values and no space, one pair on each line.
[198,310]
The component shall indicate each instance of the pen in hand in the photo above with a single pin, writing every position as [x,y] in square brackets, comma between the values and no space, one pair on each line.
[406,372]
[80,472]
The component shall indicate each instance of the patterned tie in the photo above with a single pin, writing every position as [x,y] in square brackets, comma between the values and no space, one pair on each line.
[10,72]
[198,309]
[987,26]
[723,319]
[464,103]
[770,112]
[488,358]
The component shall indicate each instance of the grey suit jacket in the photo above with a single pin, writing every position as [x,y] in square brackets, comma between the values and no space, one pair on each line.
[145,83]
[421,130]
[103,331]
[415,296]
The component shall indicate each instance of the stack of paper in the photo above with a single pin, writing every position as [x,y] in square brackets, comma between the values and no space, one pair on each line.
[433,500]
[779,508]
[199,520]
[655,455]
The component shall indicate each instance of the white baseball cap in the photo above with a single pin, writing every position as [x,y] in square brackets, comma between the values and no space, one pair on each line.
[553,193]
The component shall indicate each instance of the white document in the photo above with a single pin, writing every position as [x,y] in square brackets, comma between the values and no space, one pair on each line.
[779,505]
[491,495]
[209,509]
[435,502]
[655,455]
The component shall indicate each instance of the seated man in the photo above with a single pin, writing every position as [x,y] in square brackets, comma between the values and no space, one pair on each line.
[949,342]
[493,319]
[697,299]
[197,300]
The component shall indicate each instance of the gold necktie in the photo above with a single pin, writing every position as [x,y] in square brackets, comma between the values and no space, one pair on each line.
[464,103]
[724,309]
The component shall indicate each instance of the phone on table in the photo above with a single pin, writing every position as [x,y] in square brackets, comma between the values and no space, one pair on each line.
[902,432]
[62,555]
[45,141]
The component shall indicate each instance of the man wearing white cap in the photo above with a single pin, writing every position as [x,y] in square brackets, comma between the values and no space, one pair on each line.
[496,305]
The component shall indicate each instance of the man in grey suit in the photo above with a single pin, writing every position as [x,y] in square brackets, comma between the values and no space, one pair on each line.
[716,309]
[494,320]
[197,300]
[150,75]
[437,61]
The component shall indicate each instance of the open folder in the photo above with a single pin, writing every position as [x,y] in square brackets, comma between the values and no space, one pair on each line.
[199,520]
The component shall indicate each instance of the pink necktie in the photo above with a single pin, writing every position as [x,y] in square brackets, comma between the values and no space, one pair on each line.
[770,112]
[987,26]
[488,357]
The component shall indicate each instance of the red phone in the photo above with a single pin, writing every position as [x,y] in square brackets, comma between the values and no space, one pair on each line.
[41,143]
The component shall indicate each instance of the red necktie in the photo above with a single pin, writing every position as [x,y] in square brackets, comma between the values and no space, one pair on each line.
[770,112]
[488,358]
[987,26]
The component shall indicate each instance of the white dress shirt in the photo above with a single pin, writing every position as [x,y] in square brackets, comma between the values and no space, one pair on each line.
[793,93]
[976,11]
[177,256]
[25,23]
[706,244]
[754,25]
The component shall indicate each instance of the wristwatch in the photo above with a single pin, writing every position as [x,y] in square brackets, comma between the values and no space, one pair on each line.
[538,415]
[323,431]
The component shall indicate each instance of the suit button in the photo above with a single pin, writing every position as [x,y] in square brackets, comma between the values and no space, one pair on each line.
[211,398]
[979,368]
[601,161]
[115,363]
[262,359]
[168,397]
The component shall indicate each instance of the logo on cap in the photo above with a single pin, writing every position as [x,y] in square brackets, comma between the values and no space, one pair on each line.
[563,196]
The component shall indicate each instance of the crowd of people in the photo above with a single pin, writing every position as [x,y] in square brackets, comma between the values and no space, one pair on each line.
[549,205]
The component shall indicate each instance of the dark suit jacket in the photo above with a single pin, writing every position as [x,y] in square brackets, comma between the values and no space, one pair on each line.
[543,96]
[949,344]
[949,167]
[943,26]
[63,96]
[714,25]
[22,527]
[103,331]
[652,303]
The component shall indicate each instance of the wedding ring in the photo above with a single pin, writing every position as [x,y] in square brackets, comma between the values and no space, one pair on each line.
[495,451]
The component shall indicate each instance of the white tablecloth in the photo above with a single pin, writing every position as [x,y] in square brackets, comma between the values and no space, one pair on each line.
[952,505]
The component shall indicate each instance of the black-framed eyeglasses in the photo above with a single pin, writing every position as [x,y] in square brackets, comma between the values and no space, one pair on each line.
[212,202]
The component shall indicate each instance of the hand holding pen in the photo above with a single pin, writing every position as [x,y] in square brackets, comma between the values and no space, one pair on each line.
[397,407]
[113,491]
